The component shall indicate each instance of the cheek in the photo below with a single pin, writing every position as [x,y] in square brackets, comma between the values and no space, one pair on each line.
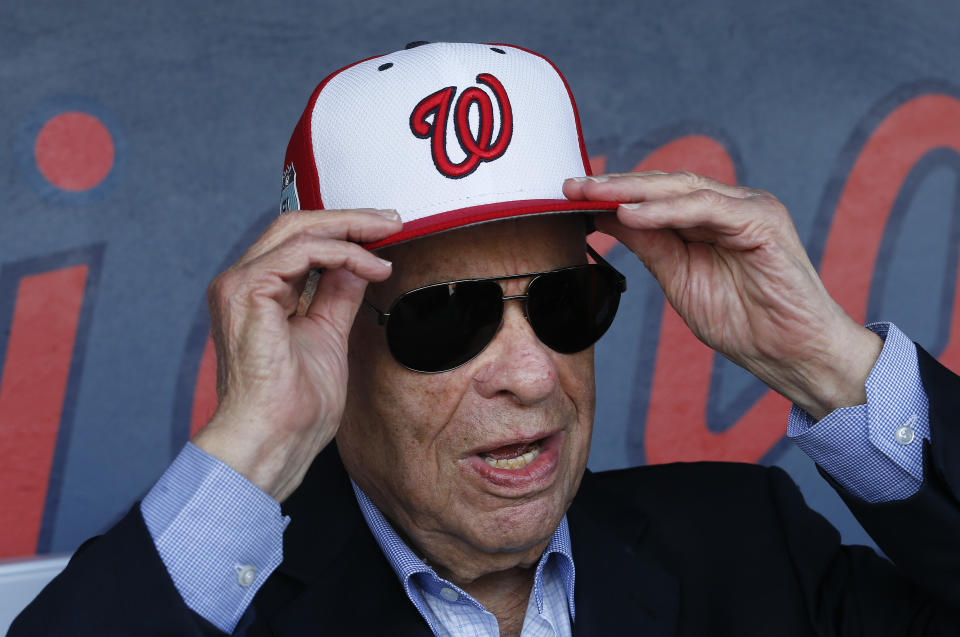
[576,378]
[575,374]
[394,428]
[411,411]
[377,383]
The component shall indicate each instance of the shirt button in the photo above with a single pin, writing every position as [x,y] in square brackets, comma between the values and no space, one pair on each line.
[904,435]
[245,575]
[449,594]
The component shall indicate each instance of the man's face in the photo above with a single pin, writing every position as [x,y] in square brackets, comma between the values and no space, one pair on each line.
[418,444]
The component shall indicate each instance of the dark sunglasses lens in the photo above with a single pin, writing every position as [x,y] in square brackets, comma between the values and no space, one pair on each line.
[569,310]
[441,327]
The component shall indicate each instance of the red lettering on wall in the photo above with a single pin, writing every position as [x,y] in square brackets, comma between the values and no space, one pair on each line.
[598,164]
[205,392]
[32,391]
[676,428]
[917,127]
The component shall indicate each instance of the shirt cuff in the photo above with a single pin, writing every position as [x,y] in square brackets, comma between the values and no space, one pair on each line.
[875,451]
[219,535]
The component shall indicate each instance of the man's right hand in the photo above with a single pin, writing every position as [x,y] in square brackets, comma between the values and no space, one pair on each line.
[282,377]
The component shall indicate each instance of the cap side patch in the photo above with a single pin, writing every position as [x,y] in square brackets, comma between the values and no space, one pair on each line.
[289,200]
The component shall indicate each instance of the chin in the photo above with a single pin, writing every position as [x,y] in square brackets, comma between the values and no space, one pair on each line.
[519,527]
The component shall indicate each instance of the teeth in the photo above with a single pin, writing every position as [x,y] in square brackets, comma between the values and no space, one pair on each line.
[514,463]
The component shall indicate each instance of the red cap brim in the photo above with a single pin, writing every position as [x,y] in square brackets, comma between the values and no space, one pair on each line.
[463,217]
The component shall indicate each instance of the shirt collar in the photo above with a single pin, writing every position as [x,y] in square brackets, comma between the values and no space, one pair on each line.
[406,564]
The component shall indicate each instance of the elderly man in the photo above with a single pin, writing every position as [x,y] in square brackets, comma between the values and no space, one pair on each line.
[455,287]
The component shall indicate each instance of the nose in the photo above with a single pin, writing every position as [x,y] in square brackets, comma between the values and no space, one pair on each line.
[516,363]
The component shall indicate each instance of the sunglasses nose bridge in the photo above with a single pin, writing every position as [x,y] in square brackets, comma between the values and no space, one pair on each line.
[519,297]
[524,308]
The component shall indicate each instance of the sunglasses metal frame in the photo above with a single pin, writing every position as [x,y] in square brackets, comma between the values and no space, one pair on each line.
[382,317]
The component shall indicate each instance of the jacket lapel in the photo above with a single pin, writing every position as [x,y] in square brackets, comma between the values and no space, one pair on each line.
[356,596]
[941,387]
[623,586]
[348,587]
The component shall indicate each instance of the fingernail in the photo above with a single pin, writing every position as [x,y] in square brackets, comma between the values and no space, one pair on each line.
[598,180]
[385,262]
[632,206]
[577,180]
[387,213]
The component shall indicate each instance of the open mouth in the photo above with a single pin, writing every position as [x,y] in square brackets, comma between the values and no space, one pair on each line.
[518,467]
[512,457]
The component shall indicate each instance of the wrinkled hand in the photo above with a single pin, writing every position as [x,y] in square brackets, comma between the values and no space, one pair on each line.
[730,262]
[282,374]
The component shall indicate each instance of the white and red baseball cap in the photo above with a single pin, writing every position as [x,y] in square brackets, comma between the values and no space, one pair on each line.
[447,134]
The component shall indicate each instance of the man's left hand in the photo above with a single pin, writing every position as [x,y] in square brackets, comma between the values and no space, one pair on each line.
[732,265]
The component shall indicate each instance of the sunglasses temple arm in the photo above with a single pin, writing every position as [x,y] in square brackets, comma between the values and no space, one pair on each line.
[381,316]
[621,279]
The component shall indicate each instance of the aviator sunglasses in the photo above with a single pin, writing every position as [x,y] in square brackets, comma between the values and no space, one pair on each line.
[439,327]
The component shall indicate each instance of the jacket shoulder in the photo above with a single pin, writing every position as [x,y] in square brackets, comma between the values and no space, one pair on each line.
[691,494]
[692,479]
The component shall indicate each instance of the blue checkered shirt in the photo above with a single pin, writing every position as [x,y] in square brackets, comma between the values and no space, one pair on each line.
[874,450]
[449,610]
[221,537]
